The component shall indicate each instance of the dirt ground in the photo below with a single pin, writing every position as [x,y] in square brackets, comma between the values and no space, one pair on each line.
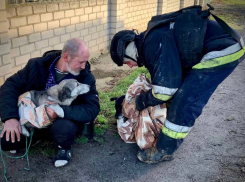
[107,73]
[214,150]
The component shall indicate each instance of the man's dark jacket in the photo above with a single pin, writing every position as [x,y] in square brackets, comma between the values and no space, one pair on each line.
[34,76]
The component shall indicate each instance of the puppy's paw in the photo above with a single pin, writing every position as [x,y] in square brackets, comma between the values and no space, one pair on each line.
[58,110]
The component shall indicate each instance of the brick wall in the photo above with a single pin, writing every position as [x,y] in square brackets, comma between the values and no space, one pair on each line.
[5,61]
[38,27]
[172,5]
[188,3]
[28,30]
[203,3]
[138,13]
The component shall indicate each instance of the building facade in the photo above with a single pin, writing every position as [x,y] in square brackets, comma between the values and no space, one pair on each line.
[28,28]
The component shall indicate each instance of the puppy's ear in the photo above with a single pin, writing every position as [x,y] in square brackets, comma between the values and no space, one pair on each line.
[113,98]
[64,94]
[118,106]
[119,100]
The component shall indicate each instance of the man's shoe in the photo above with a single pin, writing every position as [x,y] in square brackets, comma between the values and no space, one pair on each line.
[62,158]
[152,156]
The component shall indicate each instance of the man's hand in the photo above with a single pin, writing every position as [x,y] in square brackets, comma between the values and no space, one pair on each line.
[11,127]
[51,113]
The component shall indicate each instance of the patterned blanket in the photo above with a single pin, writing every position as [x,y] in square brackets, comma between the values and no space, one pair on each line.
[31,114]
[142,127]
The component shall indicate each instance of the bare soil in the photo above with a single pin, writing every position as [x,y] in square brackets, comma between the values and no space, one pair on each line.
[213,151]
[107,73]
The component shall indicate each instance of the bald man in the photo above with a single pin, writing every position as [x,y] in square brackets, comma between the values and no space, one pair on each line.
[40,74]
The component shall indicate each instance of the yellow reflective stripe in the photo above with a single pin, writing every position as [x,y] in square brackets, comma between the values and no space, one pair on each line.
[220,61]
[173,134]
[164,90]
[176,128]
[161,96]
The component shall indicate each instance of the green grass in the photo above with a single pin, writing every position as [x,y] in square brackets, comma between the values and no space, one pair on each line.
[107,110]
[100,129]
[222,17]
[99,139]
[44,148]
[81,140]
[102,119]
[106,106]
[229,16]
[230,2]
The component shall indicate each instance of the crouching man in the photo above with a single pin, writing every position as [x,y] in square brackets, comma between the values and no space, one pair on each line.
[186,66]
[40,74]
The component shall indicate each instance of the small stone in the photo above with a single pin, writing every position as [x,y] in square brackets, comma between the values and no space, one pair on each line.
[230,119]
[243,169]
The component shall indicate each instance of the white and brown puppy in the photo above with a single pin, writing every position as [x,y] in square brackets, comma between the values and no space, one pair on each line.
[62,94]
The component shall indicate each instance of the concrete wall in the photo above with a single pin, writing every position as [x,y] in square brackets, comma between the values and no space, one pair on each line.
[28,30]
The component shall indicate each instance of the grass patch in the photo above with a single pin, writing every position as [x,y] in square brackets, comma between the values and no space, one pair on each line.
[48,152]
[45,148]
[99,139]
[107,110]
[99,129]
[101,119]
[81,140]
[106,106]
[233,2]
[231,17]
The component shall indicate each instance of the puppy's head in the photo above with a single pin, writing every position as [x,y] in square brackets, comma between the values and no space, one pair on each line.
[118,106]
[67,91]
[74,86]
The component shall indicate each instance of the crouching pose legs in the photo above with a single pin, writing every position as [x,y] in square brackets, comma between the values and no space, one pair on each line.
[40,74]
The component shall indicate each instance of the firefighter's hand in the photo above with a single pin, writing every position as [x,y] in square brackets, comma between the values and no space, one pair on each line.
[51,113]
[11,127]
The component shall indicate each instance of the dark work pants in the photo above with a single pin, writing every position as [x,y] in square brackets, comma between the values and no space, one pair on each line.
[62,131]
[188,102]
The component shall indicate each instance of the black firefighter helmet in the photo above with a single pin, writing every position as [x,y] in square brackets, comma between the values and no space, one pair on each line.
[118,45]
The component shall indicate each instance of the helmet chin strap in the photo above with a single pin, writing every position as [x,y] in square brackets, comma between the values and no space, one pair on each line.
[126,56]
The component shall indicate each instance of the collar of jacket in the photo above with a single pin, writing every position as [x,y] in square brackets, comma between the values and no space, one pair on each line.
[138,40]
[48,57]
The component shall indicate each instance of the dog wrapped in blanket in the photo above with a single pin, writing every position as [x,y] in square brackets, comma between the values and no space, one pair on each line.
[32,105]
[133,126]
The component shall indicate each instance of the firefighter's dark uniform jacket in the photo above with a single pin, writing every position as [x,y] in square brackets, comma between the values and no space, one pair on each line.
[83,109]
[187,88]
